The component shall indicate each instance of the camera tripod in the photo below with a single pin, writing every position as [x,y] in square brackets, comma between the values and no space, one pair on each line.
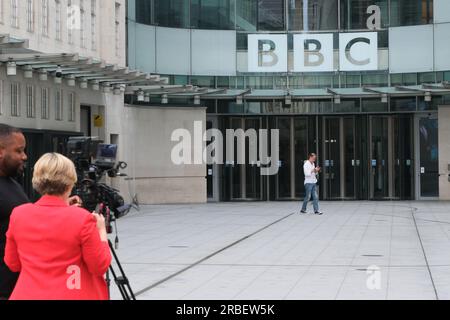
[121,280]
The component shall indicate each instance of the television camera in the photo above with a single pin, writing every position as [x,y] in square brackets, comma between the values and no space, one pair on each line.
[93,160]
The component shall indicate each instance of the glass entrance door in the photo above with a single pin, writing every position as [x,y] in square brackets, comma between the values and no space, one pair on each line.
[379,157]
[338,158]
[391,160]
[245,179]
[428,158]
[331,163]
[403,156]
[213,172]
[294,145]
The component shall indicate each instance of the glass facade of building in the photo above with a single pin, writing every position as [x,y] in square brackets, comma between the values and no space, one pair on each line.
[379,146]
[280,15]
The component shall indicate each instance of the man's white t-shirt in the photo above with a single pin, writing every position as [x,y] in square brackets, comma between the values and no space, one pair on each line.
[310,174]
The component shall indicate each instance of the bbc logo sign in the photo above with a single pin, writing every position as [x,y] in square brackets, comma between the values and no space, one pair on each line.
[313,52]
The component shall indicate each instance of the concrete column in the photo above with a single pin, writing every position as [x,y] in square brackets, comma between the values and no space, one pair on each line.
[444,152]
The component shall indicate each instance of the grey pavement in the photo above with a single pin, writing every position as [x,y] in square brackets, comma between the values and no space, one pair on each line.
[267,250]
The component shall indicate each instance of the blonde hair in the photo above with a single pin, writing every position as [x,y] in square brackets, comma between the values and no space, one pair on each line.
[54,174]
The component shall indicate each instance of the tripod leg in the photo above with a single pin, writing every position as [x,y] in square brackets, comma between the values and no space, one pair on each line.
[122,281]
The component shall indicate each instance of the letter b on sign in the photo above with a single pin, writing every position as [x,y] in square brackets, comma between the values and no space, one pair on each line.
[267,53]
[313,52]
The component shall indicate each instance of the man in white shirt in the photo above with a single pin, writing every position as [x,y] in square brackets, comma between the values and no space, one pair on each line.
[310,170]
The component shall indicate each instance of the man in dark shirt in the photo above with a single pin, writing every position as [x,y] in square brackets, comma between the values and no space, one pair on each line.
[12,162]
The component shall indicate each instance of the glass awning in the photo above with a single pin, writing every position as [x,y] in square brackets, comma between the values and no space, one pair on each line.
[325,93]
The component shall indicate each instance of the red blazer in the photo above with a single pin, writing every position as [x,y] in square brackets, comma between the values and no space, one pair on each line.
[58,252]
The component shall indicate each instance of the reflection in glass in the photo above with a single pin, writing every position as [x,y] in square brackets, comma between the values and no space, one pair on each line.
[203,81]
[375,79]
[318,81]
[318,106]
[352,80]
[144,11]
[237,170]
[408,12]
[348,105]
[301,153]
[374,105]
[260,15]
[172,13]
[209,168]
[403,159]
[212,14]
[331,161]
[252,170]
[354,13]
[405,79]
[429,157]
[431,105]
[309,15]
[224,106]
[349,157]
[379,161]
[253,107]
[284,173]
[259,82]
[223,82]
[427,77]
[404,104]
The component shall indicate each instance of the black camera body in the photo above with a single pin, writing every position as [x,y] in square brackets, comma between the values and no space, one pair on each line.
[82,151]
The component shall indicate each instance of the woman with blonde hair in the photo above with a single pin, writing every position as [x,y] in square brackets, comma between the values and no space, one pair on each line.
[61,251]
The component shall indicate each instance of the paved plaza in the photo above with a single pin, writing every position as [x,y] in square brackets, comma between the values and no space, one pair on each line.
[267,250]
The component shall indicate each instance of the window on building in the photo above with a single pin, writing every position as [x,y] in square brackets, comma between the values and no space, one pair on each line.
[144,11]
[351,80]
[45,103]
[70,26]
[375,79]
[58,105]
[405,79]
[58,20]
[203,81]
[30,15]
[117,29]
[31,109]
[172,13]
[82,22]
[356,13]
[213,14]
[260,15]
[426,77]
[45,22]
[72,106]
[317,81]
[15,99]
[309,15]
[259,82]
[407,12]
[2,11]
[404,104]
[94,25]
[15,13]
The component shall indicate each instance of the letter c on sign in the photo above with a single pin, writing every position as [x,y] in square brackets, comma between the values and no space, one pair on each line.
[348,53]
